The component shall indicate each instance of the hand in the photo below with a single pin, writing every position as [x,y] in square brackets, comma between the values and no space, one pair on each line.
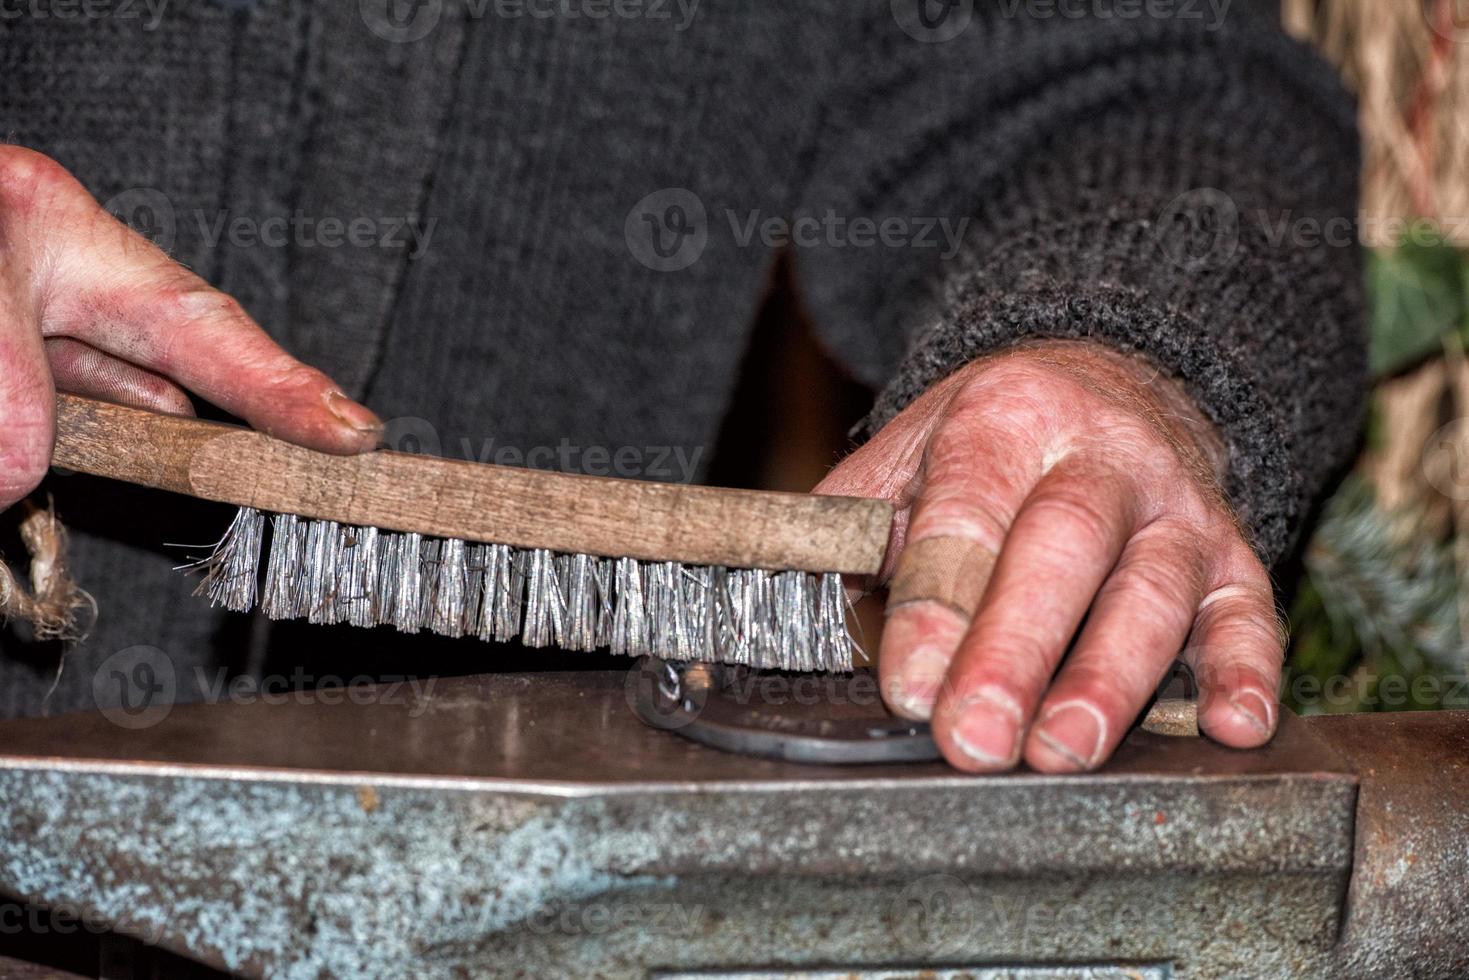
[1062,497]
[89,307]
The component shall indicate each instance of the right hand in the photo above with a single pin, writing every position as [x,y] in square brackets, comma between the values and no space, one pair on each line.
[89,307]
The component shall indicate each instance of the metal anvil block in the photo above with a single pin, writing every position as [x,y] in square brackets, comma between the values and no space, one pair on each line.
[532,825]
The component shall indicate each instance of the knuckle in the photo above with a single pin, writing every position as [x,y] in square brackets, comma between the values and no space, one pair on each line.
[962,514]
[29,178]
[1014,659]
[1073,517]
[1101,686]
[1019,373]
[294,377]
[1239,622]
[956,447]
[193,301]
[993,691]
[1155,591]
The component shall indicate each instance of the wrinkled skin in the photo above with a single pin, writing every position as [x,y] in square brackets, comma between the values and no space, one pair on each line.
[1093,481]
[1091,478]
[89,307]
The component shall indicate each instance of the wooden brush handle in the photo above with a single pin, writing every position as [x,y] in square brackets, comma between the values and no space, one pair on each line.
[477,502]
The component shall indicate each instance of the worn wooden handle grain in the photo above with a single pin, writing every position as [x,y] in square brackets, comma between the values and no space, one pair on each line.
[477,502]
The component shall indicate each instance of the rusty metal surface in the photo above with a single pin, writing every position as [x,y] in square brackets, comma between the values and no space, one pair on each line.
[531,825]
[1406,913]
[1129,972]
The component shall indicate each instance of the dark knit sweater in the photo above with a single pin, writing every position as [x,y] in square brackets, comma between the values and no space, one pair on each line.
[1139,180]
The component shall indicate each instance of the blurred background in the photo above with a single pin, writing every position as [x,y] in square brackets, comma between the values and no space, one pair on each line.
[1382,597]
[1376,597]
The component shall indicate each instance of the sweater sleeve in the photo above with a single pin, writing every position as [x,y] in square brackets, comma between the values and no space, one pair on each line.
[1181,189]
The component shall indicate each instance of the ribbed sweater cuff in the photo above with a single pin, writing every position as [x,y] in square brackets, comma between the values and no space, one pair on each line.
[1263,484]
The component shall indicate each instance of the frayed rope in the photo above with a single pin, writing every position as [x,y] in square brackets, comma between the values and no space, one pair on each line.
[54,605]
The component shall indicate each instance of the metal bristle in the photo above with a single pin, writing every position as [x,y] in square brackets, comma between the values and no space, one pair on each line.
[230,576]
[323,552]
[286,568]
[543,601]
[329,573]
[362,548]
[407,574]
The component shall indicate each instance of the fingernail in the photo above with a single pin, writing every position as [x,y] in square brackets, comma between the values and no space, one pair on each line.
[988,731]
[1074,731]
[1257,714]
[351,414]
[917,685]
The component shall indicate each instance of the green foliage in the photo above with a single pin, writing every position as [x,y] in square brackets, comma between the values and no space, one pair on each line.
[1375,624]
[1419,293]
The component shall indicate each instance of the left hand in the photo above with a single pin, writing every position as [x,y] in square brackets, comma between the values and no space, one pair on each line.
[1062,496]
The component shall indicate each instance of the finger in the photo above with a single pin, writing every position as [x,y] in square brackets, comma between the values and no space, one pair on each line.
[1136,629]
[120,294]
[1061,547]
[889,467]
[27,404]
[938,584]
[1236,652]
[974,480]
[172,323]
[81,369]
